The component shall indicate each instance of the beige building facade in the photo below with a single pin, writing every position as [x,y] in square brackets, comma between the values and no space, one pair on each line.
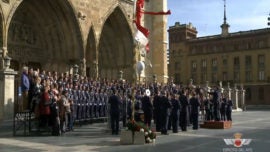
[240,59]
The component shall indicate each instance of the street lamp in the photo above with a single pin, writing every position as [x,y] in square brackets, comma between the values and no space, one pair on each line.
[76,69]
[121,75]
[75,73]
[7,62]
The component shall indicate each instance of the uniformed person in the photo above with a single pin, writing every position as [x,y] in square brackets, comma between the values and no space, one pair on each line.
[184,110]
[157,114]
[223,108]
[195,109]
[229,109]
[147,108]
[175,113]
[115,103]
[165,108]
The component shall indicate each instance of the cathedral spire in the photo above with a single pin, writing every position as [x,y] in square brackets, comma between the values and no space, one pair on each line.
[224,13]
[225,26]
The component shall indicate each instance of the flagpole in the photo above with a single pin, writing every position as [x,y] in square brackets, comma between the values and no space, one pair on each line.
[134,67]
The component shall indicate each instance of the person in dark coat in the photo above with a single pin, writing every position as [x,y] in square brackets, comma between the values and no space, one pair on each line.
[207,107]
[184,110]
[229,109]
[175,113]
[147,108]
[165,108]
[115,104]
[195,109]
[223,109]
[216,103]
[157,106]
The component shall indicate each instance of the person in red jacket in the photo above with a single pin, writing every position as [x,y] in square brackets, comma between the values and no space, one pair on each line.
[44,107]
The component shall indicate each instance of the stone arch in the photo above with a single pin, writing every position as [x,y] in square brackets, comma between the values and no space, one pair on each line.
[115,50]
[91,54]
[2,20]
[45,32]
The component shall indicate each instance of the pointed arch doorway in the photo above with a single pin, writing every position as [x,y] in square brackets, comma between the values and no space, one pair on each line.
[45,34]
[116,47]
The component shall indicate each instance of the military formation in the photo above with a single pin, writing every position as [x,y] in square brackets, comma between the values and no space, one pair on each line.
[60,100]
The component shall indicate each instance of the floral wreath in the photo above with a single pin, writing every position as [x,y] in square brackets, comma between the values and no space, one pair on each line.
[150,135]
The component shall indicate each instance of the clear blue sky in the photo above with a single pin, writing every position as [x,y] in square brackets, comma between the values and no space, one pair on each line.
[207,15]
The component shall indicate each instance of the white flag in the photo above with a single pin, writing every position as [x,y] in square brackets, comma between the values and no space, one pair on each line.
[139,37]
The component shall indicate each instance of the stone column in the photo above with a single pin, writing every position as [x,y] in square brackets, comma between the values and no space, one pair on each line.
[221,87]
[83,67]
[242,94]
[235,98]
[7,93]
[229,90]
[157,25]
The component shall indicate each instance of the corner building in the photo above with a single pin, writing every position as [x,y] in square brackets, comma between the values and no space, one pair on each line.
[240,59]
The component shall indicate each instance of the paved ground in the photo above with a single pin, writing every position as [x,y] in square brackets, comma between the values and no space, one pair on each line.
[253,125]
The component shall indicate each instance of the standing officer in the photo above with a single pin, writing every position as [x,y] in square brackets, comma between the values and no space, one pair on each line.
[216,103]
[115,103]
[165,112]
[229,109]
[175,113]
[147,108]
[184,110]
[195,109]
[157,105]
[223,109]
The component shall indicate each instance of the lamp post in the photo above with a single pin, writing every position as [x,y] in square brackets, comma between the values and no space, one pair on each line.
[76,69]
[75,73]
[121,75]
[7,62]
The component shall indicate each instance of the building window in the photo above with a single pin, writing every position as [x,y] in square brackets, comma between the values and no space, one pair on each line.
[224,76]
[261,61]
[194,77]
[248,76]
[248,62]
[194,65]
[262,44]
[225,62]
[214,77]
[214,64]
[236,63]
[236,76]
[261,75]
[203,77]
[204,64]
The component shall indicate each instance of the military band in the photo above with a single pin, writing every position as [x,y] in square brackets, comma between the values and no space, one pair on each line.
[165,107]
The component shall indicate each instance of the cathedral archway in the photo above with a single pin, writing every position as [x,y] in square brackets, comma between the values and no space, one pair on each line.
[46,33]
[116,47]
[1,27]
[91,55]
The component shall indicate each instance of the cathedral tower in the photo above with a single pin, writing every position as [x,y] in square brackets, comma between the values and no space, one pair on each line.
[157,25]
